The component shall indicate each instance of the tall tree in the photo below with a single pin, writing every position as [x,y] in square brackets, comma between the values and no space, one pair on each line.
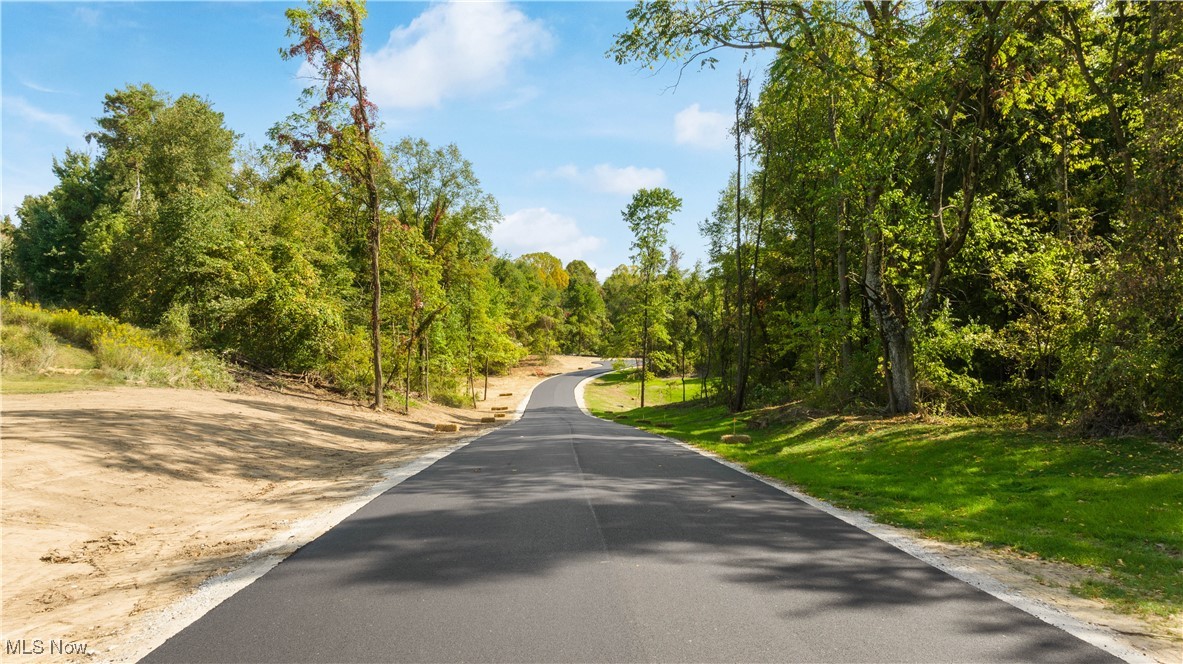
[647,216]
[338,124]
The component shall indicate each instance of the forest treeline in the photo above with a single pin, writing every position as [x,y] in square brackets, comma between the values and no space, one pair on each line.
[172,224]
[950,207]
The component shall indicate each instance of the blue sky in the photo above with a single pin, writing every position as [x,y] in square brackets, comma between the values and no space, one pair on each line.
[559,134]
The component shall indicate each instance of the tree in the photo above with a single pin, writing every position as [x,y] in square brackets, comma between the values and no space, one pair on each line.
[337,126]
[585,323]
[49,249]
[11,283]
[647,217]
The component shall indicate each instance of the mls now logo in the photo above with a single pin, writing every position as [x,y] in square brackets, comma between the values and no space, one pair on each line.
[42,646]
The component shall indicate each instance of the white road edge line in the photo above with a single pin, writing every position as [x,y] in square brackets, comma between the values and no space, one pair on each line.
[1101,637]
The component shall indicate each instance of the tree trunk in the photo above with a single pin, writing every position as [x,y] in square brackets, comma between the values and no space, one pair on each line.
[645,347]
[410,343]
[899,355]
[840,250]
[814,302]
[741,365]
[887,306]
[376,298]
[471,380]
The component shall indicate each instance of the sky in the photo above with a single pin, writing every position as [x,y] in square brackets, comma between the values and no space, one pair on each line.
[558,133]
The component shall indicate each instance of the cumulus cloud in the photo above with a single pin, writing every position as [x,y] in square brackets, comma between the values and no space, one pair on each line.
[452,49]
[59,122]
[610,179]
[539,229]
[703,129]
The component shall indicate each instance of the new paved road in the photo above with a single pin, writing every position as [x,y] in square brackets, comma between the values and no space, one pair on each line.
[563,538]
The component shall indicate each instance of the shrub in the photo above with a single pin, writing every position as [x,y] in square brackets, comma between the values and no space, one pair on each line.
[130,352]
[25,349]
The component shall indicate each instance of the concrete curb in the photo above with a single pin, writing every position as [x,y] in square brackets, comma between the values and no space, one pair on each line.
[579,393]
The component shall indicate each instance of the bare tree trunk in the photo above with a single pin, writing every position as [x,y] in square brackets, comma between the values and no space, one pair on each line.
[682,365]
[840,250]
[426,367]
[376,300]
[645,347]
[814,301]
[471,380]
[887,306]
[741,365]
[410,343]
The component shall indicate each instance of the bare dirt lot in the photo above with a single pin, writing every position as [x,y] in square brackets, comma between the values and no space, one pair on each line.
[117,503]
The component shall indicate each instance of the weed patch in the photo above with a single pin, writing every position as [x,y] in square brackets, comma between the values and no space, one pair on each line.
[94,348]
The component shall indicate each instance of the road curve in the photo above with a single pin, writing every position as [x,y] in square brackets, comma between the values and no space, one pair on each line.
[564,538]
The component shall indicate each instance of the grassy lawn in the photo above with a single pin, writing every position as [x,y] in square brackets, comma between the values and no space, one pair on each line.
[1114,506]
[48,383]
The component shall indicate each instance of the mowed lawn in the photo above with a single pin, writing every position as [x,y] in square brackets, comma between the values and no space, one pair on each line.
[1113,506]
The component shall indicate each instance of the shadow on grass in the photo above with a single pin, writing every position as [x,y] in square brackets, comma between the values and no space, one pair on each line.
[1109,505]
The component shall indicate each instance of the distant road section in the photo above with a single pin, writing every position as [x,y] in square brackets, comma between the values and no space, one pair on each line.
[564,538]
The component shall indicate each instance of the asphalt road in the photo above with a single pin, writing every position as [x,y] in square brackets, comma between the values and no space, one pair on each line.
[563,538]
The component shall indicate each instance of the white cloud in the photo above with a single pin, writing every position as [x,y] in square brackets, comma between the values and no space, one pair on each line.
[610,179]
[520,97]
[39,88]
[539,229]
[452,49]
[703,129]
[90,16]
[59,122]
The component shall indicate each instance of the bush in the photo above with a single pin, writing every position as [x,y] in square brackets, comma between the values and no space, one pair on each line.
[133,353]
[348,366]
[662,363]
[25,349]
[174,326]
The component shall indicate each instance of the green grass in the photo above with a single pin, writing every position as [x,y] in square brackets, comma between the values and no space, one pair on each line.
[45,350]
[1113,506]
[49,383]
[621,391]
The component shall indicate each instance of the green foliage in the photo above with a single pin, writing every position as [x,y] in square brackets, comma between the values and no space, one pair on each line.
[35,339]
[967,208]
[48,246]
[585,327]
[945,363]
[11,283]
[25,349]
[267,261]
